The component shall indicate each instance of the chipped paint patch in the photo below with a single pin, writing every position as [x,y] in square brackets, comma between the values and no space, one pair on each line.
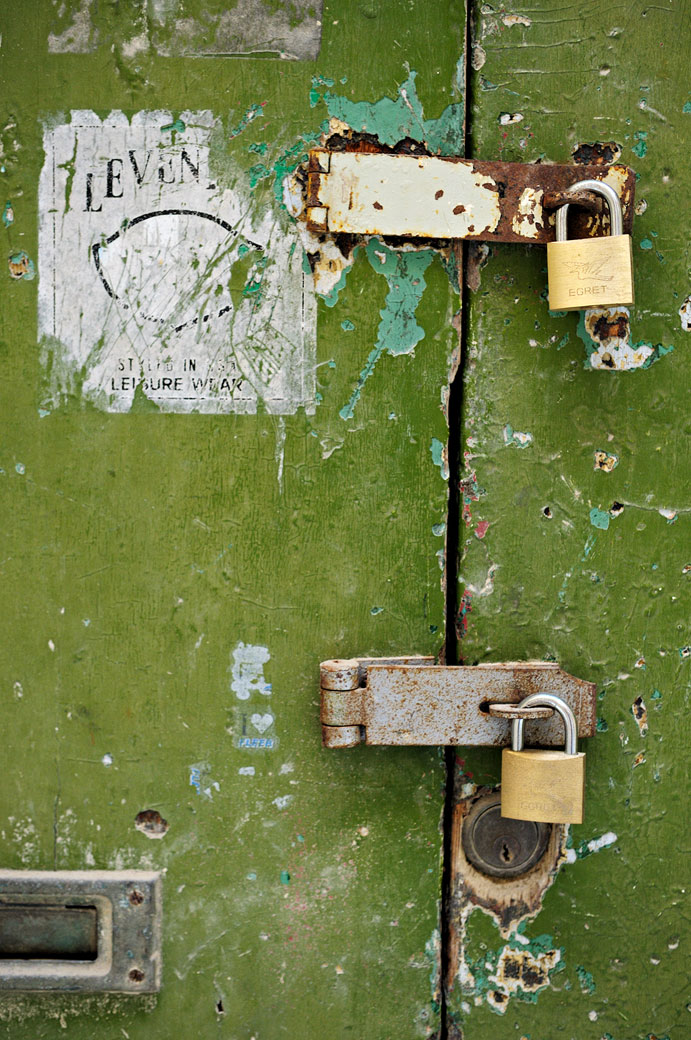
[392,120]
[640,714]
[21,266]
[79,37]
[507,118]
[151,823]
[527,221]
[440,457]
[398,330]
[604,460]
[521,969]
[516,19]
[8,214]
[685,314]
[511,436]
[247,670]
[606,333]
[587,848]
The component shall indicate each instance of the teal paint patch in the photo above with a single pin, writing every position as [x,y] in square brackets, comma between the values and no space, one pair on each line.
[438,529]
[284,877]
[645,243]
[398,330]
[250,115]
[259,148]
[8,214]
[376,610]
[178,127]
[585,980]
[347,325]
[392,120]
[286,163]
[687,108]
[438,457]
[640,147]
[599,518]
[601,725]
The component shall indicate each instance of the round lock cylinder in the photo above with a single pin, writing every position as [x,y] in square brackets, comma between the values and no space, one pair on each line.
[500,847]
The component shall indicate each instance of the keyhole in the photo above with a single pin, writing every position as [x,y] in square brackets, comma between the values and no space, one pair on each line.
[506,853]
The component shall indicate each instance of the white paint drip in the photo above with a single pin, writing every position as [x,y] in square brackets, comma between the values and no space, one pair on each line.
[248,671]
[283,802]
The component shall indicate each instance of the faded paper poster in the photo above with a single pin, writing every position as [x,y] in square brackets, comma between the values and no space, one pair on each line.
[154,280]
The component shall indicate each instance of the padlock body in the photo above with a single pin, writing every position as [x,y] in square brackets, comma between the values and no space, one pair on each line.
[590,272]
[542,785]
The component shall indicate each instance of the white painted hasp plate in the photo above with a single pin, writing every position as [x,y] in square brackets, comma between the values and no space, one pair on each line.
[155,282]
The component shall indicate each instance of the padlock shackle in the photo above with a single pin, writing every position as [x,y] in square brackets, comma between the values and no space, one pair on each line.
[616,222]
[548,700]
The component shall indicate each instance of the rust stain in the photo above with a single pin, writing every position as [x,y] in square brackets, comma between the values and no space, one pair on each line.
[600,153]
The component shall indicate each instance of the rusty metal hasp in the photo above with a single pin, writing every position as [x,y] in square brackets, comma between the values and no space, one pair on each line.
[444,197]
[413,700]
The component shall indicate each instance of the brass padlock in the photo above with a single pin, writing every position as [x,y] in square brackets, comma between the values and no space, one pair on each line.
[590,272]
[542,785]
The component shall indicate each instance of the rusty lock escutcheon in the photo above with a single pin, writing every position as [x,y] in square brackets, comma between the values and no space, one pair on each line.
[414,701]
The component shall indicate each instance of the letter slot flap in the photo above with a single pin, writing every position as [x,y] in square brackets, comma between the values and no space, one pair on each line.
[80,931]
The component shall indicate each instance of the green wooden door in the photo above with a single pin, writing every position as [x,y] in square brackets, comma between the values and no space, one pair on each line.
[223,460]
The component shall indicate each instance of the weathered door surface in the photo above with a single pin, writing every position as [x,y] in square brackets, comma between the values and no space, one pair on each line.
[223,459]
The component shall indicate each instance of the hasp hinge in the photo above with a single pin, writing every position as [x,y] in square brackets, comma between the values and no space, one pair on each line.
[414,701]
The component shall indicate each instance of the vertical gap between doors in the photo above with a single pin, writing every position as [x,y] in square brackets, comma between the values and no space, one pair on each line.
[453,542]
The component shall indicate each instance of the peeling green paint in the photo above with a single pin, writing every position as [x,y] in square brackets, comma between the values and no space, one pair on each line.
[178,127]
[250,115]
[398,330]
[393,120]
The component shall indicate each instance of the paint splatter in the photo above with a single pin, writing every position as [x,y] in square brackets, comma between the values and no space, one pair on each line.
[8,214]
[507,118]
[481,529]
[347,325]
[398,330]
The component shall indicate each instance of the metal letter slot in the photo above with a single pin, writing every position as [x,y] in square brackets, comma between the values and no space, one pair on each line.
[80,931]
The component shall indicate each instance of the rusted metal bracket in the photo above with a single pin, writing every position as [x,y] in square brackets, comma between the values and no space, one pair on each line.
[413,700]
[422,196]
